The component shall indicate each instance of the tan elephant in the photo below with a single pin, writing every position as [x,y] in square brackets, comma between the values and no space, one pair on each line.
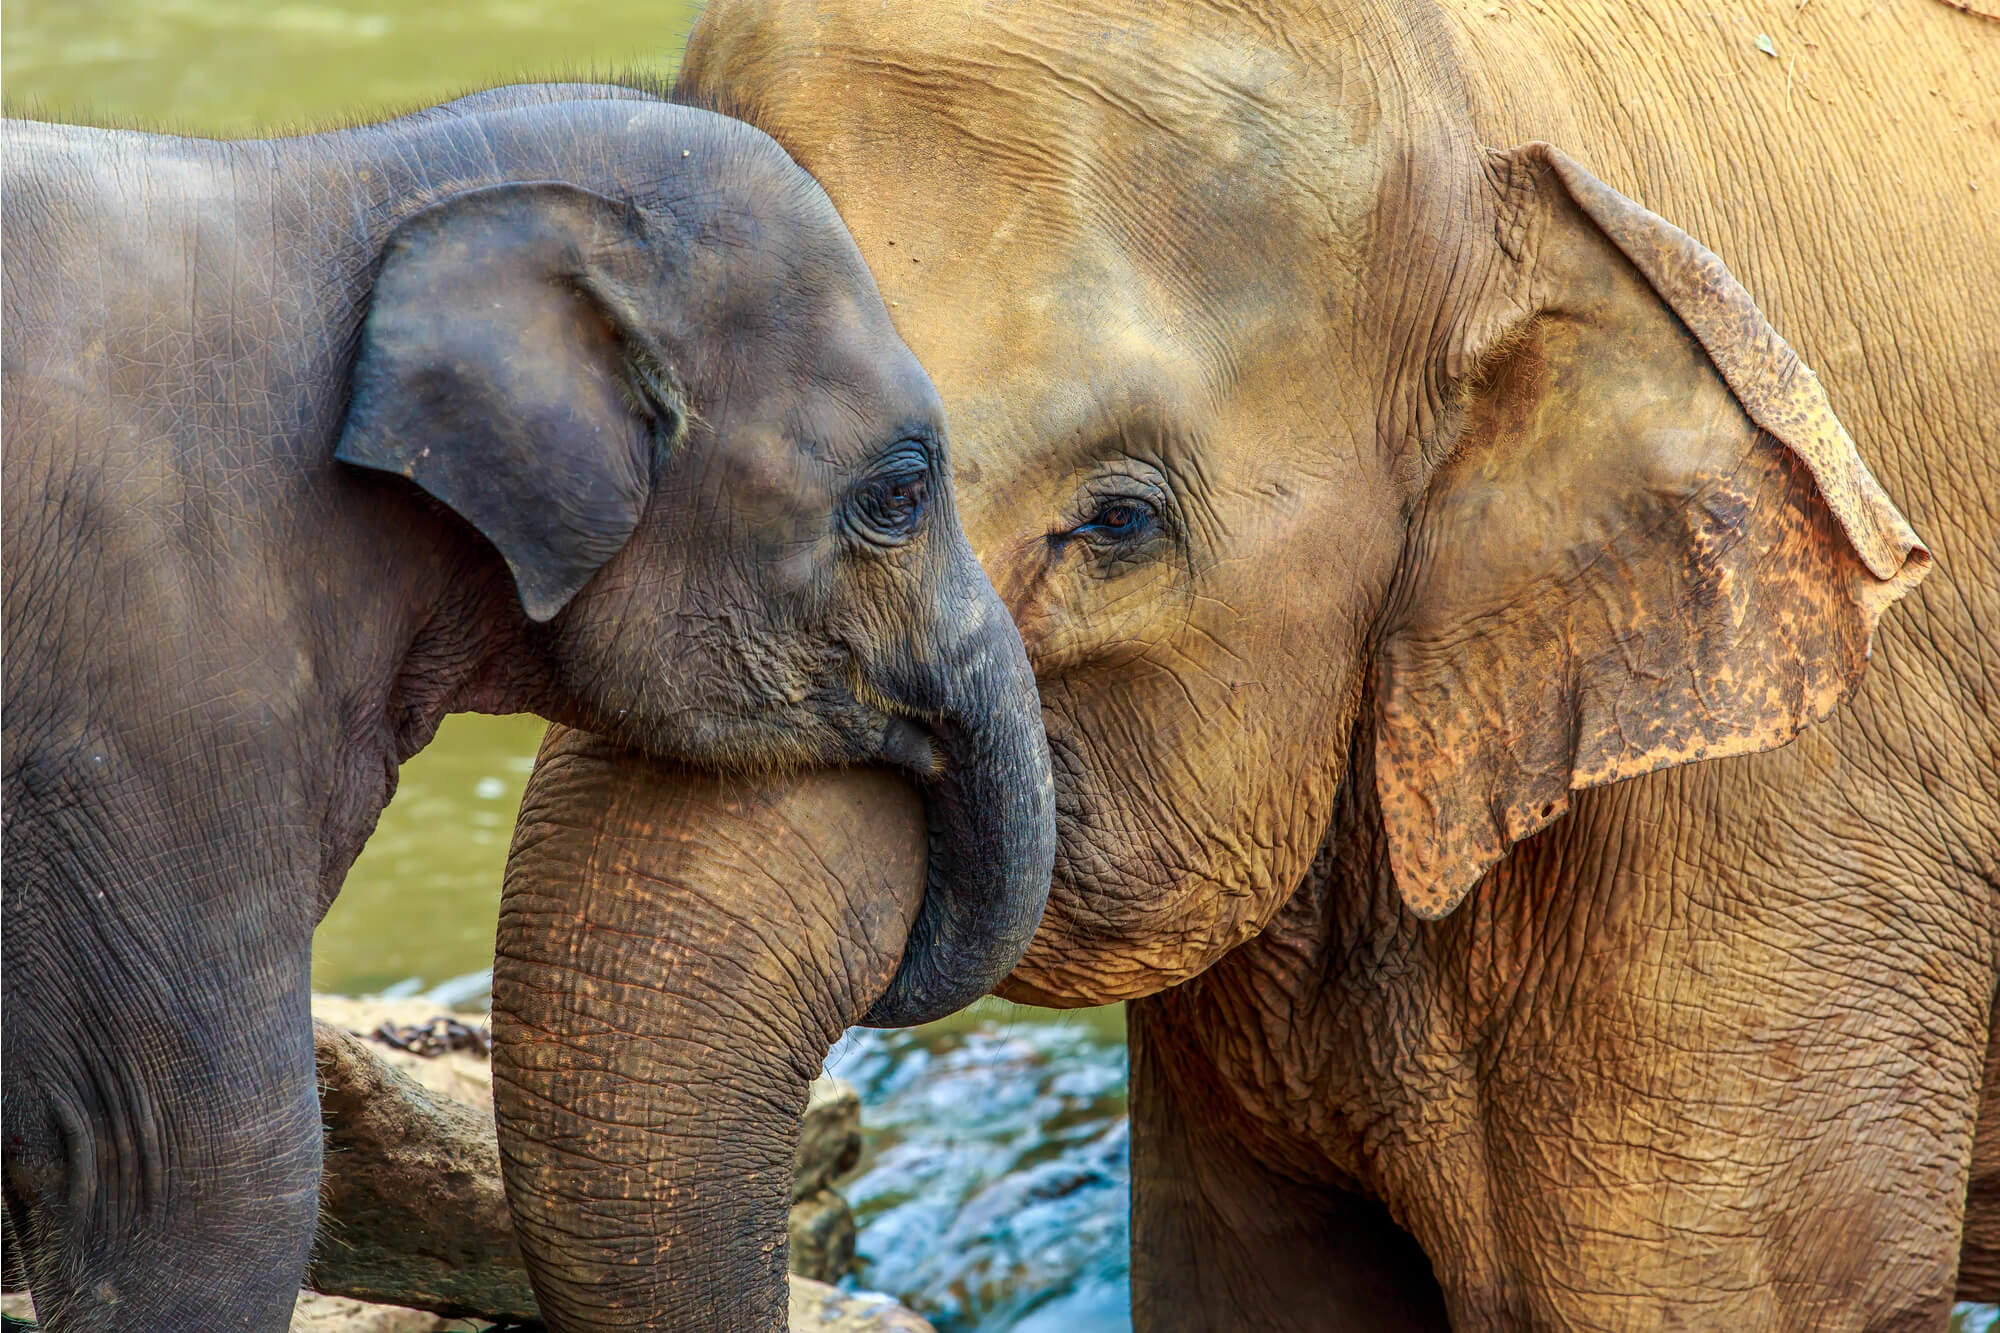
[1378,489]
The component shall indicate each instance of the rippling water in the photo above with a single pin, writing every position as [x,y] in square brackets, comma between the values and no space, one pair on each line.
[994,1191]
[422,901]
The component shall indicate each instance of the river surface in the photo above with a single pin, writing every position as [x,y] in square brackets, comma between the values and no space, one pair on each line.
[994,1190]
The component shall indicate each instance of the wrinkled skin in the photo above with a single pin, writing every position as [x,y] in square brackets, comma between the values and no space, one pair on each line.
[556,399]
[649,1097]
[1372,497]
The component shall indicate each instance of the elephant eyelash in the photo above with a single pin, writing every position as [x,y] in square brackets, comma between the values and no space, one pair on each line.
[887,507]
[1154,502]
[1145,519]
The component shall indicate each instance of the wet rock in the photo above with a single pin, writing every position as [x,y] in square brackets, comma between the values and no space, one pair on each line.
[822,1232]
[818,1308]
[821,1223]
[993,1193]
[829,1136]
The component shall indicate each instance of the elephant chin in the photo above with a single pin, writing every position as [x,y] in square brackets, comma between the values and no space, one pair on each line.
[676,953]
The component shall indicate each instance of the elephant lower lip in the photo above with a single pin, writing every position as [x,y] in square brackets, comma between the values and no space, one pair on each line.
[1015,990]
[910,747]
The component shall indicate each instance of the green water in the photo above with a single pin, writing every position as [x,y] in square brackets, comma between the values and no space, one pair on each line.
[421,902]
[257,67]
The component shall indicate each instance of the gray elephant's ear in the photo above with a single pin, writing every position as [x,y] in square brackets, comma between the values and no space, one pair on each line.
[500,369]
[1653,542]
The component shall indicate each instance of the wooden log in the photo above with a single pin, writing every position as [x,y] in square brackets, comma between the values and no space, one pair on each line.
[411,1207]
[412,1212]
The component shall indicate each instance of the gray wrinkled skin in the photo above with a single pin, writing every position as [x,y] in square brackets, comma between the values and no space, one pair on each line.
[555,399]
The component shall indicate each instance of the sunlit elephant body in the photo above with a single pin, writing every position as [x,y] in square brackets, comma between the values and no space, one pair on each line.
[555,399]
[1369,484]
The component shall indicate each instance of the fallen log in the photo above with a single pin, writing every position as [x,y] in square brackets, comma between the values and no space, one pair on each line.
[413,1214]
[411,1207]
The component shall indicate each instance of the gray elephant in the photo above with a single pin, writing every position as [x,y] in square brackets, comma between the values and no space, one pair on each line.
[553,400]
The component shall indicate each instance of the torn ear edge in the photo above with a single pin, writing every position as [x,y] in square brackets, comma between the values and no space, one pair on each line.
[1453,807]
[1777,390]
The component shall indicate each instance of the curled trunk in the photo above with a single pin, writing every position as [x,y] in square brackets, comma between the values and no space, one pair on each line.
[989,797]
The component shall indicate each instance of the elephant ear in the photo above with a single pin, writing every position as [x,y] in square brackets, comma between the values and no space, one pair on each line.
[502,368]
[1652,543]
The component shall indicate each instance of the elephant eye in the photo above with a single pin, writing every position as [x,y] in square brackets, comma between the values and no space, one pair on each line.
[888,506]
[1119,519]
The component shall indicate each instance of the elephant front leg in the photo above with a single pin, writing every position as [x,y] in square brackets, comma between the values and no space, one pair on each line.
[162,1144]
[1222,1242]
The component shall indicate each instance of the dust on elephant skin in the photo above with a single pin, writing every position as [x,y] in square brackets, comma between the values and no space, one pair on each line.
[1375,467]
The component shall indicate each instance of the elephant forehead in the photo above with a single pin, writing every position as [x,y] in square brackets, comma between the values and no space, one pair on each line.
[999,139]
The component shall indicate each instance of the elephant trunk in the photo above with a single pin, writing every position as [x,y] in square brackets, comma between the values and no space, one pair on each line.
[676,953]
[989,802]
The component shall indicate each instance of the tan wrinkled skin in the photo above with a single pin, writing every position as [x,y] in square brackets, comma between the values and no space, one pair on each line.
[1469,511]
[676,952]
[1093,347]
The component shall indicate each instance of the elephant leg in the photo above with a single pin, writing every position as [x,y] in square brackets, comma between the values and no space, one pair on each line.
[1979,1245]
[1706,1095]
[162,1145]
[1221,1241]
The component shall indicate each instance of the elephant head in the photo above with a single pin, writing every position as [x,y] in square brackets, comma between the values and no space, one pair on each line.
[721,484]
[1297,428]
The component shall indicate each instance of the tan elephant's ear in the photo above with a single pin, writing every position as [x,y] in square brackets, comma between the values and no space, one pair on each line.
[1653,543]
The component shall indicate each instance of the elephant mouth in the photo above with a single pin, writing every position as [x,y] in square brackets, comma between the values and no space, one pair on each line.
[912,747]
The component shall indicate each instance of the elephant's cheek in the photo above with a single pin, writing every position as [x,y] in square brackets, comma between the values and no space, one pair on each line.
[1079,959]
